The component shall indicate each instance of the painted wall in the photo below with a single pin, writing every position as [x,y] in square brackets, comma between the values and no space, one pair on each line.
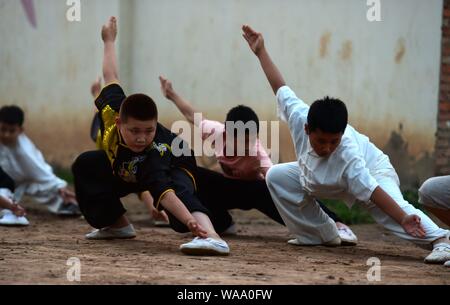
[387,72]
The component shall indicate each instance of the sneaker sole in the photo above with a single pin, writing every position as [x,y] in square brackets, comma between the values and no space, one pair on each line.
[13,225]
[202,252]
[111,238]
[348,243]
[435,262]
[297,244]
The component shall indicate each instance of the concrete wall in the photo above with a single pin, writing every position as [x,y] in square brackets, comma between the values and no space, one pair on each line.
[387,72]
[48,69]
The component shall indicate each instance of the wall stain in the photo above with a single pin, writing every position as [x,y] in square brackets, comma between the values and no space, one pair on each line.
[346,51]
[324,44]
[400,50]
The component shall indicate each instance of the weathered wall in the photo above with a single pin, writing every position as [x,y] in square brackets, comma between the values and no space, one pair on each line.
[48,69]
[387,72]
[442,159]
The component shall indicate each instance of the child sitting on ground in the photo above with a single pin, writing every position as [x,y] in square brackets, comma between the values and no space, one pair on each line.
[25,165]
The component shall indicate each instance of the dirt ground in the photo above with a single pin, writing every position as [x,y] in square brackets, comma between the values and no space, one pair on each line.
[38,255]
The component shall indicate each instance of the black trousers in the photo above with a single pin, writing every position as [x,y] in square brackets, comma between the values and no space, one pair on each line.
[5,181]
[99,191]
[227,194]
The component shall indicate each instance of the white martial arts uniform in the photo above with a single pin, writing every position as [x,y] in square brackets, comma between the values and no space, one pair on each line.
[435,193]
[351,173]
[32,176]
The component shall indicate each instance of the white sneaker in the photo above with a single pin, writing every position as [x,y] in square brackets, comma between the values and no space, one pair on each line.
[10,219]
[69,209]
[207,246]
[127,232]
[231,231]
[294,242]
[348,238]
[447,264]
[439,255]
[332,243]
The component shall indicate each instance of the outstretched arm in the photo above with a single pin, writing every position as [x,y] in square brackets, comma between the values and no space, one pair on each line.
[183,105]
[256,42]
[410,223]
[174,206]
[109,34]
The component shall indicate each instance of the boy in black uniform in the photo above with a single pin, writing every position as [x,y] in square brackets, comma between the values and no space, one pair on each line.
[136,156]
[160,218]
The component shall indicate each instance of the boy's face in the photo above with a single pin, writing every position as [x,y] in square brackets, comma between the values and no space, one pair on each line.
[137,134]
[323,143]
[9,133]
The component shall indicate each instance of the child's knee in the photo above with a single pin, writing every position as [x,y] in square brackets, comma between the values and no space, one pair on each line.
[425,192]
[80,163]
[274,175]
[89,161]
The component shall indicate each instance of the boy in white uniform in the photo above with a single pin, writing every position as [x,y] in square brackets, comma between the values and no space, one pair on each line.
[337,162]
[24,164]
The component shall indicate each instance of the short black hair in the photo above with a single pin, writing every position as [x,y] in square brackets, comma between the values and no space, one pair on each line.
[329,115]
[244,114]
[12,115]
[140,107]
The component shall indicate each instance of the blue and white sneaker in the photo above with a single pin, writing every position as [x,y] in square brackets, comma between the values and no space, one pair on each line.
[348,238]
[8,218]
[439,255]
[205,246]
